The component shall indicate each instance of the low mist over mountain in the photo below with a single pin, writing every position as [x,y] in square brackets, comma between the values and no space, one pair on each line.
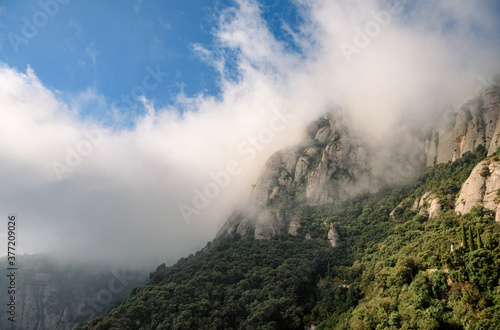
[282,165]
[337,235]
[51,294]
[334,165]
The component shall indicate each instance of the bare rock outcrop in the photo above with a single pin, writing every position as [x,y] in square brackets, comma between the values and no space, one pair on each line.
[276,175]
[232,225]
[325,167]
[435,208]
[333,163]
[481,188]
[294,226]
[475,123]
[305,159]
[427,205]
[265,226]
[333,236]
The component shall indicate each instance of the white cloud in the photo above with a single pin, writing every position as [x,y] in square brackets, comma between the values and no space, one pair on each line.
[137,6]
[92,53]
[122,200]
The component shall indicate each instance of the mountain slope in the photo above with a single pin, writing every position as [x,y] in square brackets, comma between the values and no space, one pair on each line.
[337,235]
[332,164]
[392,266]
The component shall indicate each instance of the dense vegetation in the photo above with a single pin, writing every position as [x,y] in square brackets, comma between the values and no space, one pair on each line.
[396,271]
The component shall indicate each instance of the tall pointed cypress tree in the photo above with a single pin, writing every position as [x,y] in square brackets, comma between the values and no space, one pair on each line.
[464,237]
[472,244]
[480,244]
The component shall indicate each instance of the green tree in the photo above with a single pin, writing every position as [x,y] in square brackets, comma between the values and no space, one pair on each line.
[464,237]
[480,244]
[472,244]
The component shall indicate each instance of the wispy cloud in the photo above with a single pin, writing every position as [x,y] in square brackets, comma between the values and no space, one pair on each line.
[92,53]
[74,25]
[164,25]
[137,5]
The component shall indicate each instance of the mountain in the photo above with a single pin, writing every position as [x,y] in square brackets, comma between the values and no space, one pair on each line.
[343,233]
[334,164]
[52,294]
[330,165]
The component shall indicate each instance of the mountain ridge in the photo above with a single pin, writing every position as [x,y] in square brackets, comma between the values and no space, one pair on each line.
[334,163]
[388,247]
[392,266]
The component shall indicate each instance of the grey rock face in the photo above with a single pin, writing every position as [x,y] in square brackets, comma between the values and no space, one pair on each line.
[481,188]
[265,226]
[475,123]
[319,188]
[303,162]
[435,208]
[326,163]
[333,164]
[333,236]
[323,134]
[324,168]
[277,172]
[52,295]
[294,226]
[427,205]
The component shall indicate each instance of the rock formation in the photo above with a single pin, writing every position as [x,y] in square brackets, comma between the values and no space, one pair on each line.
[334,164]
[325,166]
[427,205]
[476,122]
[333,236]
[481,188]
[294,226]
[323,169]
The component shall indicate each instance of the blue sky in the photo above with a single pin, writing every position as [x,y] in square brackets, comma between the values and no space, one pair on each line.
[108,46]
[84,46]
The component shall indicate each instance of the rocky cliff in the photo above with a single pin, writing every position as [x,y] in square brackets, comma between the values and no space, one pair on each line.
[476,122]
[326,165]
[333,164]
[481,188]
[52,295]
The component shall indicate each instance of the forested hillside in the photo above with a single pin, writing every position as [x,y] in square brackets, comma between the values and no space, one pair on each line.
[393,268]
